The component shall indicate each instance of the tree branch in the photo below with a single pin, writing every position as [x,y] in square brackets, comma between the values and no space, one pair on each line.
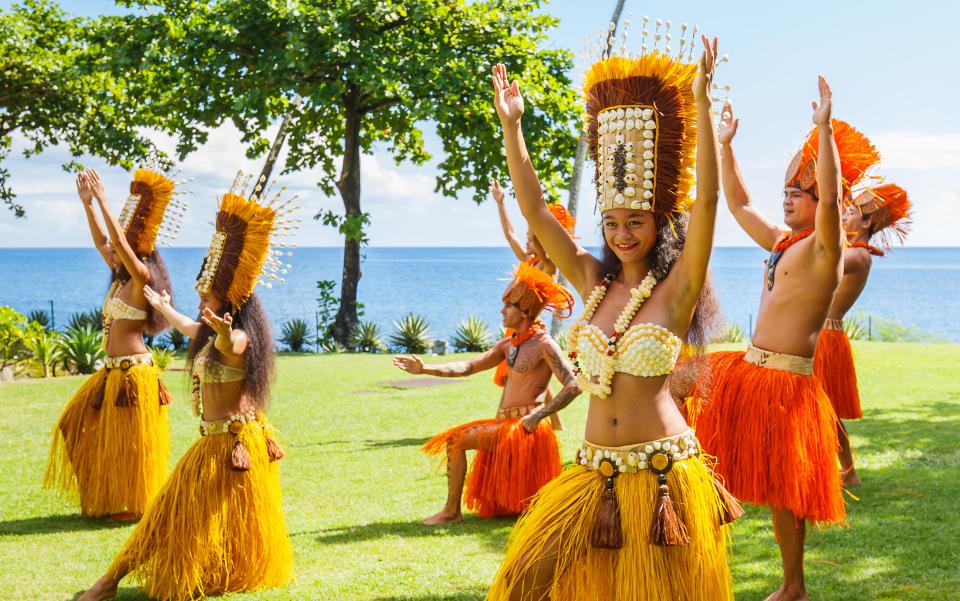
[376,106]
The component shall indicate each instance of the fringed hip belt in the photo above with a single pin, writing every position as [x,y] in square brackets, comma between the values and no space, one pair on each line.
[659,457]
[518,411]
[240,460]
[833,324]
[233,424]
[125,362]
[781,361]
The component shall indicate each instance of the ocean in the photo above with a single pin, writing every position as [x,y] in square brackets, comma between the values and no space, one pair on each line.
[917,287]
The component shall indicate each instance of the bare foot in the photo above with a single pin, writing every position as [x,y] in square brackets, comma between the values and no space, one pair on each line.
[445,516]
[781,594]
[101,589]
[850,478]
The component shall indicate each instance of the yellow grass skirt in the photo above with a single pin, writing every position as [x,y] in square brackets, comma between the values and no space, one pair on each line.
[112,458]
[560,519]
[212,529]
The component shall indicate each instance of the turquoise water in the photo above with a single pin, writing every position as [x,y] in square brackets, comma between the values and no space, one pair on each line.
[916,286]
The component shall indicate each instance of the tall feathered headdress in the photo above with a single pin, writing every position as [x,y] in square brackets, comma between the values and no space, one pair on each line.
[563,217]
[857,155]
[532,291]
[152,211]
[246,248]
[641,122]
[889,209]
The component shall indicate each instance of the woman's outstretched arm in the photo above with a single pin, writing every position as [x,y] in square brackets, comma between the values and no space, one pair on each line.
[161,302]
[100,242]
[135,267]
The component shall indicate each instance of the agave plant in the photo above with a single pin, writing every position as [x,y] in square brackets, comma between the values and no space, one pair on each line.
[294,334]
[80,349]
[731,332]
[42,347]
[472,335]
[161,356]
[855,328]
[411,334]
[367,338]
[40,317]
[91,319]
[175,340]
[332,346]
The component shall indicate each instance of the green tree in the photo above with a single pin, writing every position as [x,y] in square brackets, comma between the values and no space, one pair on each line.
[11,335]
[53,91]
[372,74]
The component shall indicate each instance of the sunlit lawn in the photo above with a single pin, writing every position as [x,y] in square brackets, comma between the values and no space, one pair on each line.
[356,487]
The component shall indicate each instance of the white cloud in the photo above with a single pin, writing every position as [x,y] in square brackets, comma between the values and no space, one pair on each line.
[914,150]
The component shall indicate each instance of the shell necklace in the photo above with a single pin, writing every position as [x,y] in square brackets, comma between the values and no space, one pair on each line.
[637,296]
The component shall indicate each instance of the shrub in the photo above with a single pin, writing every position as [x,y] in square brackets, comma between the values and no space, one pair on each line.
[411,334]
[176,340]
[332,346]
[731,332]
[80,349]
[890,330]
[367,338]
[855,328]
[11,336]
[42,345]
[472,335]
[295,334]
[91,319]
[161,356]
[40,317]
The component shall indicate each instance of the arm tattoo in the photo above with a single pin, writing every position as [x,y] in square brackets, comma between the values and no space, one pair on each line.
[563,373]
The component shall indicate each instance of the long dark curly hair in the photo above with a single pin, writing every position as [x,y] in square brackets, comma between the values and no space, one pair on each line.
[671,237]
[252,319]
[159,280]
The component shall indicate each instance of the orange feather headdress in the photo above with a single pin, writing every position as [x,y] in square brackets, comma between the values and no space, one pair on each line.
[641,123]
[241,250]
[857,155]
[151,211]
[563,216]
[532,291]
[889,209]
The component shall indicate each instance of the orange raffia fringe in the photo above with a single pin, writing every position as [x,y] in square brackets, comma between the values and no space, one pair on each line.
[513,467]
[213,529]
[563,216]
[857,153]
[774,435]
[833,364]
[561,518]
[113,459]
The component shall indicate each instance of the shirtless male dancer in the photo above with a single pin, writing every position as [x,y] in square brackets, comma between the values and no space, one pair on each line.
[517,451]
[767,414]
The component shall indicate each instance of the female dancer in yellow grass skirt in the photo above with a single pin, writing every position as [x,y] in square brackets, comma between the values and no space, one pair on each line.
[640,515]
[217,524]
[111,442]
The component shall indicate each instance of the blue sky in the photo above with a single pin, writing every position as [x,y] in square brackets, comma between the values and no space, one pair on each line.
[890,64]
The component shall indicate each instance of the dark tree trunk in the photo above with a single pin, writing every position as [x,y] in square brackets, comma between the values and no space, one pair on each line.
[349,186]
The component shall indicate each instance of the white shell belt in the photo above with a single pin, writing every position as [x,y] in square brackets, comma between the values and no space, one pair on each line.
[781,361]
[234,423]
[125,362]
[657,455]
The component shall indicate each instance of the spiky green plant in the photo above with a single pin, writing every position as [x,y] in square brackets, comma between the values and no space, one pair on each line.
[332,346]
[472,336]
[855,328]
[176,340]
[39,316]
[42,345]
[367,338]
[161,356]
[92,319]
[731,332]
[295,334]
[80,349]
[411,334]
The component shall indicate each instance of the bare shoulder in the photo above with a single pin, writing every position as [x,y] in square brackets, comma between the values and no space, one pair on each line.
[857,259]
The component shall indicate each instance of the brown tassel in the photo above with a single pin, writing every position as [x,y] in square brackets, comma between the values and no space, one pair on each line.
[731,507]
[127,397]
[165,397]
[606,529]
[668,530]
[100,392]
[274,451]
[239,458]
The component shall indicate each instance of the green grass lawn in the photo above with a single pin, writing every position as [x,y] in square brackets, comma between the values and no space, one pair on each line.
[356,487]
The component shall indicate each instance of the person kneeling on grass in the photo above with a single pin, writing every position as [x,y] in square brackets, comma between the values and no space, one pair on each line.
[517,453]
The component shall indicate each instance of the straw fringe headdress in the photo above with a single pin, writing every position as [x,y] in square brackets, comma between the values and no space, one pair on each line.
[152,211]
[246,248]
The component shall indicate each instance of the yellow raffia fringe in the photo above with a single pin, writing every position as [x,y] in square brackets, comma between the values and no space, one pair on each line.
[562,515]
[211,529]
[673,74]
[112,459]
[162,190]
[259,222]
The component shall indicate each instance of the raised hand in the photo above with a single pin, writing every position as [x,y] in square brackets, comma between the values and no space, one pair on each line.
[84,191]
[506,96]
[496,191]
[95,184]
[411,364]
[708,62]
[222,326]
[159,300]
[823,109]
[728,124]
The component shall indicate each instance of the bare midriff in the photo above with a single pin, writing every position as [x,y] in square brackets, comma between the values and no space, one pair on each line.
[637,410]
[223,399]
[126,337]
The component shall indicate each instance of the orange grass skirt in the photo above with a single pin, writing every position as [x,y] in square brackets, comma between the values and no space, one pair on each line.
[509,468]
[212,529]
[774,435]
[833,364]
[113,459]
[561,518]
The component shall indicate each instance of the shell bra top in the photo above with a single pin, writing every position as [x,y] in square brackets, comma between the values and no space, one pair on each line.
[115,308]
[645,350]
[211,371]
